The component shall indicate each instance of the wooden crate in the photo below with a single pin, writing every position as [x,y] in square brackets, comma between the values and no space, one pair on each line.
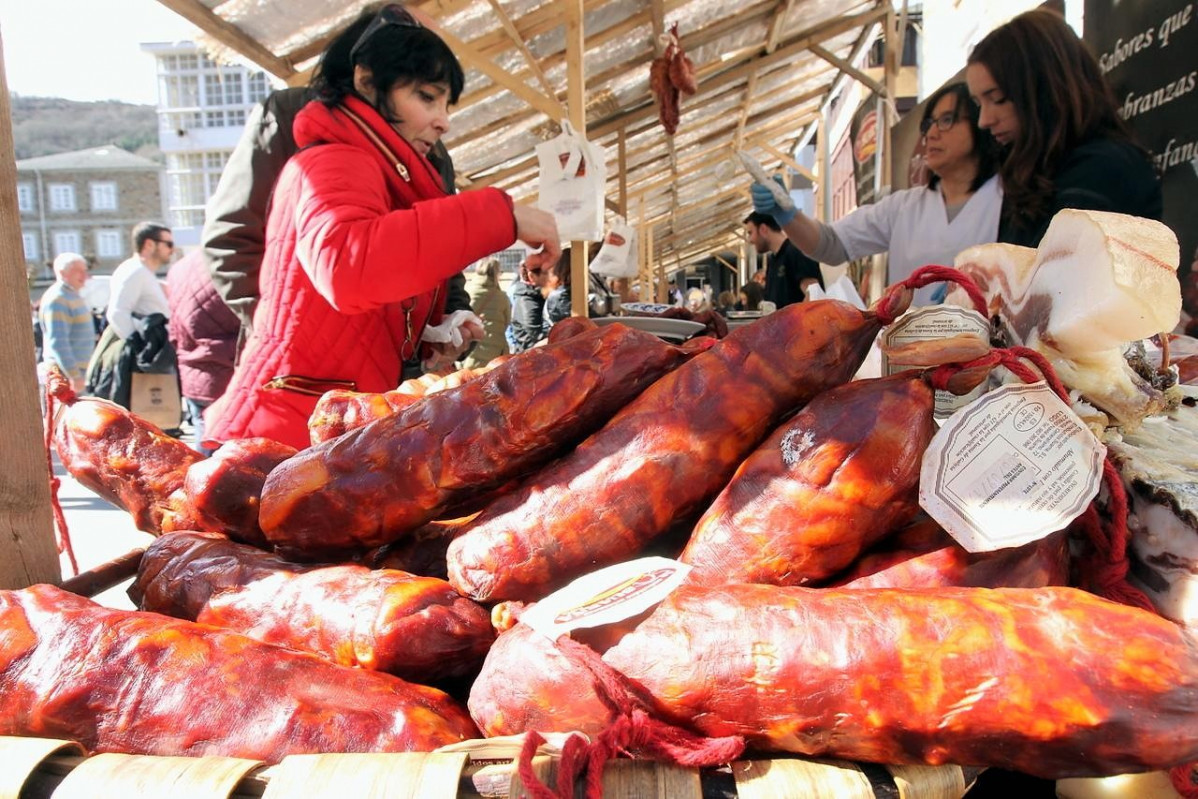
[37,768]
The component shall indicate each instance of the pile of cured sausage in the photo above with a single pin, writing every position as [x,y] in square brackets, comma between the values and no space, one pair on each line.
[340,598]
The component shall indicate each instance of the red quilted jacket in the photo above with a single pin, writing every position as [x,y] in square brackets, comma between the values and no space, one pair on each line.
[361,238]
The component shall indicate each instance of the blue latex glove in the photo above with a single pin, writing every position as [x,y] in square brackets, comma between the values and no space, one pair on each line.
[764,203]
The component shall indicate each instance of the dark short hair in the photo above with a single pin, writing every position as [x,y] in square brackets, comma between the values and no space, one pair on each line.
[146,231]
[758,218]
[396,55]
[985,148]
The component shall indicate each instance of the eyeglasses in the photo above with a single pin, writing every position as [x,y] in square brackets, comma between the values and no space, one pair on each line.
[390,14]
[942,123]
[170,245]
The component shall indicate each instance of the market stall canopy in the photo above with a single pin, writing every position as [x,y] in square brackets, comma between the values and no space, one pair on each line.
[764,70]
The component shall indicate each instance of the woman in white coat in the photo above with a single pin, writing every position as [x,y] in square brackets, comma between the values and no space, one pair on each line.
[959,207]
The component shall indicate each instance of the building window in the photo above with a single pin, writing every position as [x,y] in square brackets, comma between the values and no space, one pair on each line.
[66,241]
[189,61]
[103,196]
[212,90]
[24,197]
[182,91]
[236,119]
[108,243]
[29,240]
[259,87]
[62,197]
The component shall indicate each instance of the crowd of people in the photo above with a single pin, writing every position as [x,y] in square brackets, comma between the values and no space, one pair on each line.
[318,271]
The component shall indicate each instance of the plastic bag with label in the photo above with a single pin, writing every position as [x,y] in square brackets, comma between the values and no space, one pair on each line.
[618,255]
[573,184]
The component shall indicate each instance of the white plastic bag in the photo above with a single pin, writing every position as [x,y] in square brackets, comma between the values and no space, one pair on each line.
[841,289]
[618,255]
[573,184]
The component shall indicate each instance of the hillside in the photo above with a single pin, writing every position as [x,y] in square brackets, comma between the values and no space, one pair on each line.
[49,125]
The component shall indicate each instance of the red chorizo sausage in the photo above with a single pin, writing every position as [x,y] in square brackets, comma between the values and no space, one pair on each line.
[122,681]
[661,457]
[124,459]
[824,486]
[339,411]
[943,562]
[417,628]
[375,484]
[1052,682]
[223,491]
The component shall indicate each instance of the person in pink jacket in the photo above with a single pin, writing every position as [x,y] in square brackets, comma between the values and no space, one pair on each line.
[361,237]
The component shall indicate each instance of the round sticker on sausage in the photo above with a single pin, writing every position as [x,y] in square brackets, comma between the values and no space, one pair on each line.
[605,596]
[1012,467]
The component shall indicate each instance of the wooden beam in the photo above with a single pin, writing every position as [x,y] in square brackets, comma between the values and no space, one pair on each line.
[657,15]
[725,263]
[750,88]
[849,69]
[471,57]
[645,112]
[576,102]
[28,553]
[518,40]
[741,71]
[698,39]
[622,169]
[230,35]
[777,24]
[786,159]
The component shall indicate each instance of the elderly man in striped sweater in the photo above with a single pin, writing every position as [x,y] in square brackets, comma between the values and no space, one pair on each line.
[68,332]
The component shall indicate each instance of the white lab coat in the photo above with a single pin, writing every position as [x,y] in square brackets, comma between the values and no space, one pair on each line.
[913,226]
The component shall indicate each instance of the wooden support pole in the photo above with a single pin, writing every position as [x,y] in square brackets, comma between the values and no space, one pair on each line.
[28,553]
[576,103]
[622,165]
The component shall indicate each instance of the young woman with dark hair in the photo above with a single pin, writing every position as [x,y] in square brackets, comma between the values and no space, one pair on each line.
[923,225]
[1042,95]
[362,237]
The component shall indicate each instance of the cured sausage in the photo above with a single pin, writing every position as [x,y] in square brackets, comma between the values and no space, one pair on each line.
[824,486]
[339,411]
[661,457]
[417,628]
[123,681]
[123,458]
[939,561]
[377,483]
[1053,682]
[223,490]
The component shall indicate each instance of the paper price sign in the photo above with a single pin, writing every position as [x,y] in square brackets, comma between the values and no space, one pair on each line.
[1009,469]
[605,596]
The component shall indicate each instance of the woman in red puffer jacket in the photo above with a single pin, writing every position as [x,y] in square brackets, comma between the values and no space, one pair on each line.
[361,237]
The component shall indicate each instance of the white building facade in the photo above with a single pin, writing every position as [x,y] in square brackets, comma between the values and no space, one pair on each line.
[202,109]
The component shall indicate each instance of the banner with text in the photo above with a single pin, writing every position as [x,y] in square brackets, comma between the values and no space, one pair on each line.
[1147,50]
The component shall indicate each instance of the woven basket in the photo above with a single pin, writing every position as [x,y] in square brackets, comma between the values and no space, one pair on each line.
[37,768]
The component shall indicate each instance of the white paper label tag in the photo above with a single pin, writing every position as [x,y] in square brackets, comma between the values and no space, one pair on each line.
[1011,468]
[605,596]
[929,323]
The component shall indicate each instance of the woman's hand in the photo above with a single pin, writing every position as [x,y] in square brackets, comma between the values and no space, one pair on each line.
[764,203]
[538,228]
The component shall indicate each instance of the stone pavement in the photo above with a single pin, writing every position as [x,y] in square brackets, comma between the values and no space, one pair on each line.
[99,532]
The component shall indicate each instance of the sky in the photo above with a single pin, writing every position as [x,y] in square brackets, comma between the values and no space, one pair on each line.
[86,49]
